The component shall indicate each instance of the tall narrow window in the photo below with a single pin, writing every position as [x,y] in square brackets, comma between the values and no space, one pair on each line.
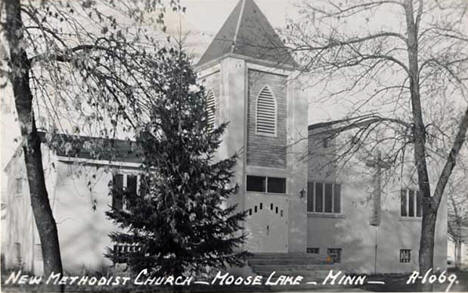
[337,199]
[404,211]
[124,187]
[318,197]
[266,112]
[310,197]
[410,203]
[211,108]
[418,204]
[328,198]
[323,197]
[117,191]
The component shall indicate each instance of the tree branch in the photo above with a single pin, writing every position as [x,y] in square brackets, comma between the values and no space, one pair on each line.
[66,55]
[452,158]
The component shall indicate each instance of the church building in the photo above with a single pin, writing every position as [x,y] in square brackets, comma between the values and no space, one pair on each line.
[299,208]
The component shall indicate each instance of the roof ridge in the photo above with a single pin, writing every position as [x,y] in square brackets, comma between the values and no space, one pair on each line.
[248,33]
[236,33]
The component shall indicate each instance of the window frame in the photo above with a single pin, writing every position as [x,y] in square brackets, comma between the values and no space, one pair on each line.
[208,110]
[339,254]
[265,187]
[313,250]
[125,175]
[403,258]
[334,200]
[416,208]
[275,112]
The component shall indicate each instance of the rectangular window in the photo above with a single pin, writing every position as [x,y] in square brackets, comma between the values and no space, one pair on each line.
[266,184]
[132,185]
[256,183]
[418,204]
[122,251]
[334,255]
[323,197]
[403,203]
[276,185]
[410,203]
[318,197]
[337,199]
[123,186]
[328,198]
[117,191]
[313,250]
[310,196]
[405,255]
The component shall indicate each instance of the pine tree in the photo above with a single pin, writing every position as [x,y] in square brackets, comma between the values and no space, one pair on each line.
[179,220]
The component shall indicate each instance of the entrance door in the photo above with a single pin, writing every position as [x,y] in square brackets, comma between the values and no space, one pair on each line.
[267,223]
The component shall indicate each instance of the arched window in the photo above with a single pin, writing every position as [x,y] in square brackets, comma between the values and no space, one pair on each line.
[211,108]
[266,112]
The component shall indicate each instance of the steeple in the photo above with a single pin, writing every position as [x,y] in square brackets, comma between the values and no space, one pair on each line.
[248,33]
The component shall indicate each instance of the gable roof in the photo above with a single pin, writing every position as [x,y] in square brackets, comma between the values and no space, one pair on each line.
[94,148]
[343,124]
[248,33]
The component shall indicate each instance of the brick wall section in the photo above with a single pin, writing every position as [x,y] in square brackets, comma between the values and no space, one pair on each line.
[213,82]
[321,159]
[267,151]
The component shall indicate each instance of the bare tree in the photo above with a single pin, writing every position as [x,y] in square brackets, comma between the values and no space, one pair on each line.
[458,215]
[70,61]
[404,62]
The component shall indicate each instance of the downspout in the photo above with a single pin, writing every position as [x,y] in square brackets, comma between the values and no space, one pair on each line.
[246,129]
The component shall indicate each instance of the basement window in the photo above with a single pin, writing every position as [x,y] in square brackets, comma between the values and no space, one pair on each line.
[334,255]
[313,250]
[405,255]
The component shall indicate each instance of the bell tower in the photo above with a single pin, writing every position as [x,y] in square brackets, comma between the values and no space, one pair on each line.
[250,78]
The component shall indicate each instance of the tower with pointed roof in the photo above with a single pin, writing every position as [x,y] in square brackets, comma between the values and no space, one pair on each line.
[248,73]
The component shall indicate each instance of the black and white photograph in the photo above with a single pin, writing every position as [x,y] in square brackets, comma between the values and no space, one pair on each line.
[234,145]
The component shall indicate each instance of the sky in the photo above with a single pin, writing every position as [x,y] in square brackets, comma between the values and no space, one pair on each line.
[209,15]
[203,19]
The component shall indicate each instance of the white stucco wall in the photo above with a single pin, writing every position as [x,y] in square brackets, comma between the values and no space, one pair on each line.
[367,248]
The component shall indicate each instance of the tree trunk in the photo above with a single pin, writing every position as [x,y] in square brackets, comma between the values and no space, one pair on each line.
[20,68]
[458,252]
[426,246]
[429,209]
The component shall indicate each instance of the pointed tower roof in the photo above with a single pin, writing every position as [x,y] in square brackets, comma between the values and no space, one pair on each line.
[248,33]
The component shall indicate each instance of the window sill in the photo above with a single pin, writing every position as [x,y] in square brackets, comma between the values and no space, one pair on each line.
[267,193]
[410,219]
[266,134]
[325,215]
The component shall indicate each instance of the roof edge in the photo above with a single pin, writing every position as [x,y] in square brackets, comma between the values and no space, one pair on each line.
[263,62]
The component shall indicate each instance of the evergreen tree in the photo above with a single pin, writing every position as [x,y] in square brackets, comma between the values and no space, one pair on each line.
[179,221]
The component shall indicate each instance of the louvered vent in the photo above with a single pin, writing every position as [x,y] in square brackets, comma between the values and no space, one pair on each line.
[211,108]
[266,112]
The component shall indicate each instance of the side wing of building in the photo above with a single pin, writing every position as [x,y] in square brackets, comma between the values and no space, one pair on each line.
[346,222]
